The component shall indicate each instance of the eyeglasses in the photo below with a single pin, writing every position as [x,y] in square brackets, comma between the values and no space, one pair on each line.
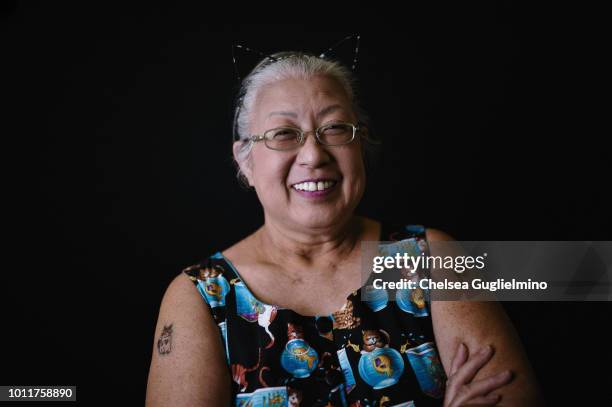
[289,138]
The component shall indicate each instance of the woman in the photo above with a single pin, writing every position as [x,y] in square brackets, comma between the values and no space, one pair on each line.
[276,319]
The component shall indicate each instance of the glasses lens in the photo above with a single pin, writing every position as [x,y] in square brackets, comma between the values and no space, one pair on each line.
[282,138]
[336,134]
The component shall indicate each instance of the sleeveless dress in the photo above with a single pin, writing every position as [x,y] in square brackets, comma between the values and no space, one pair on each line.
[372,352]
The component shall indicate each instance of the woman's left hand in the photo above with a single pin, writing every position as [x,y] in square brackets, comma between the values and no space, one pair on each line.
[461,390]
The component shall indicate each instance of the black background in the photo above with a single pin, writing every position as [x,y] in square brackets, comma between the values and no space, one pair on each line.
[117,167]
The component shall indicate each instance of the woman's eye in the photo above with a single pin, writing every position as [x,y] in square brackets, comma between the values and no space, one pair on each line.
[284,134]
[336,129]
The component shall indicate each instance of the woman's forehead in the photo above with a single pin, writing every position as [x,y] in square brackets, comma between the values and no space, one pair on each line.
[294,98]
[291,95]
[335,107]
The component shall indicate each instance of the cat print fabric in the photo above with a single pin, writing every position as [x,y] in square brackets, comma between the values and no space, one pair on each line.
[371,352]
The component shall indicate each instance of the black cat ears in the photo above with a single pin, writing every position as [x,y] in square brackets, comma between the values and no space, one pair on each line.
[336,51]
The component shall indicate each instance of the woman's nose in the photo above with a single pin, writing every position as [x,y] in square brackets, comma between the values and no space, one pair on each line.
[309,134]
[311,152]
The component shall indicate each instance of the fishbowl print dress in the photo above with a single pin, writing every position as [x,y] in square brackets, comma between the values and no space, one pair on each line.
[372,352]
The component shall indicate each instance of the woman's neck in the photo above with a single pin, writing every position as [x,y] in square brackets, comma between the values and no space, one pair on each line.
[295,248]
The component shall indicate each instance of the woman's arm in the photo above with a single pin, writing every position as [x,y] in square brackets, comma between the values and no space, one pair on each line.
[477,324]
[188,367]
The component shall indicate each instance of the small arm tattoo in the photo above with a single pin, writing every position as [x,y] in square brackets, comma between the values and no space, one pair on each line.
[164,343]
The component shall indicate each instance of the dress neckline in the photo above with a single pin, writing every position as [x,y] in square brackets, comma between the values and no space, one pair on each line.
[351,295]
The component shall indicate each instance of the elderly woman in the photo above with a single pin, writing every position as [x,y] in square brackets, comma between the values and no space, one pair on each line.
[277,318]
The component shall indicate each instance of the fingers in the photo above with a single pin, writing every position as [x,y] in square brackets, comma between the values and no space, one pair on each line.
[461,390]
[459,358]
[476,393]
[466,373]
[487,385]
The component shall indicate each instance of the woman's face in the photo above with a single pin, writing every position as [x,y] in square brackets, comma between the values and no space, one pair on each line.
[279,177]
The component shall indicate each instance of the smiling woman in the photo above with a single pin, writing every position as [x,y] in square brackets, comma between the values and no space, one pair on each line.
[274,173]
[276,319]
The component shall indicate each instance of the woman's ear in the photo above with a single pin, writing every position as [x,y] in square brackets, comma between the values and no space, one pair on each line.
[243,161]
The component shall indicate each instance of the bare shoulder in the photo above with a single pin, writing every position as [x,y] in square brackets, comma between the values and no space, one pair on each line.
[186,348]
[181,289]
[182,295]
[433,235]
[440,244]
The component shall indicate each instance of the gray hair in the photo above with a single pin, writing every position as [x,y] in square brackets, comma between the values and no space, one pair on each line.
[285,65]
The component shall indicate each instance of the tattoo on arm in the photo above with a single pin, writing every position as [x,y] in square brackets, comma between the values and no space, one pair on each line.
[164,343]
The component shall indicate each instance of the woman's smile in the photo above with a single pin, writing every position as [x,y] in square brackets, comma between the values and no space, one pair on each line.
[315,188]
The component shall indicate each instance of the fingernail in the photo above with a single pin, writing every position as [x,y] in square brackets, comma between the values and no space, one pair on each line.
[461,347]
[506,374]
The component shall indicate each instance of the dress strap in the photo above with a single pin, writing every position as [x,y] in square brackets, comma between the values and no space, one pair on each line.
[415,231]
[400,231]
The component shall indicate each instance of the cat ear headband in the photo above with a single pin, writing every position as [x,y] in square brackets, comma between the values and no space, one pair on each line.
[269,59]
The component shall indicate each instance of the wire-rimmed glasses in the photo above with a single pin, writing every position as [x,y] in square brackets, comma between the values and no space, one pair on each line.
[288,138]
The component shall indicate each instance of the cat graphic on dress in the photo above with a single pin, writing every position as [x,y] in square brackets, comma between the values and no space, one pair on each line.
[373,338]
[211,287]
[207,272]
[265,316]
[239,373]
[265,313]
[294,397]
[294,331]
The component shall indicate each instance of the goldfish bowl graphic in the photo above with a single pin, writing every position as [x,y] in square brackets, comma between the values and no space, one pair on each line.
[247,306]
[214,289]
[412,301]
[299,359]
[428,369]
[381,368]
[375,298]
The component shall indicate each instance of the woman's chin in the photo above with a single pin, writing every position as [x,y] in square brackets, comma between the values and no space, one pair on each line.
[320,219]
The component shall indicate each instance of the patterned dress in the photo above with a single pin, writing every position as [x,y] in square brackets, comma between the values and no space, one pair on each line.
[372,352]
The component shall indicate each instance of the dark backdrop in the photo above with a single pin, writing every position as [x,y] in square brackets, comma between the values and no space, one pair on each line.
[116,148]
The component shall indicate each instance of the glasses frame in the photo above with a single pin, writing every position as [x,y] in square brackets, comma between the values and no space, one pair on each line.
[357,128]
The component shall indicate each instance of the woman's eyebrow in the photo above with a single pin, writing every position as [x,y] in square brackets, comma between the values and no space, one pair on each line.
[326,111]
[284,113]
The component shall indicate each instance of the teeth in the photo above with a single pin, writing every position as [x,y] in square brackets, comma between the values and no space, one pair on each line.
[314,186]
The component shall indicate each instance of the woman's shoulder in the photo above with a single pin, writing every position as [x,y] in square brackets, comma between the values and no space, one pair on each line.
[185,331]
[434,234]
[182,310]
[181,289]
